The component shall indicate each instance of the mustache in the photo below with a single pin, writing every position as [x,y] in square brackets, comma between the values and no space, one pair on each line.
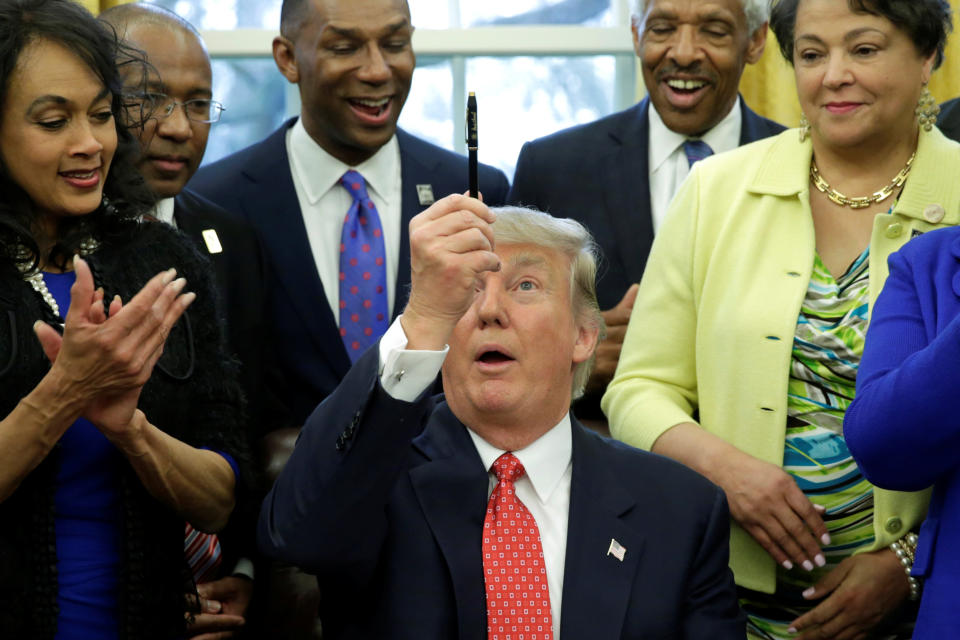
[695,69]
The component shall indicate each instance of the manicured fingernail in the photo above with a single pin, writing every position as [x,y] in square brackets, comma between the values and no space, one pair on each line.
[212,606]
[37,324]
[792,630]
[169,276]
[188,298]
[825,538]
[820,560]
[809,592]
[179,284]
[787,565]
[808,565]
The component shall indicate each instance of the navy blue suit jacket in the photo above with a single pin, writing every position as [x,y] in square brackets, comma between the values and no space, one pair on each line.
[384,500]
[949,119]
[902,427]
[255,183]
[597,173]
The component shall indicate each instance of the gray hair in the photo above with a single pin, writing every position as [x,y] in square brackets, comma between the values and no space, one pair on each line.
[756,11]
[518,225]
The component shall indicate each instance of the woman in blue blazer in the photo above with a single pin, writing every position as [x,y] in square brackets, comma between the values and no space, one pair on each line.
[903,427]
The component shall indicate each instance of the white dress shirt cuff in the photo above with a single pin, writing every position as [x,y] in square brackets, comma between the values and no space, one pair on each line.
[244,567]
[404,374]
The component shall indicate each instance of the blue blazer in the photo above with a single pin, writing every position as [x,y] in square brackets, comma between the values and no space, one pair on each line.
[384,500]
[255,183]
[903,427]
[596,173]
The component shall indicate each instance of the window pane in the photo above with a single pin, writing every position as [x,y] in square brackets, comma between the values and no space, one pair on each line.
[519,99]
[227,14]
[427,14]
[428,111]
[256,100]
[443,14]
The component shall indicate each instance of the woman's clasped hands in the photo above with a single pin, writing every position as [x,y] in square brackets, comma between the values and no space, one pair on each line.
[107,352]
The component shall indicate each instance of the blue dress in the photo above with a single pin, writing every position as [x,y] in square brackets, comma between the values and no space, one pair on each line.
[87,503]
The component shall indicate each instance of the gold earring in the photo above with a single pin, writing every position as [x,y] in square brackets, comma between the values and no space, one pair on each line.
[927,110]
[804,128]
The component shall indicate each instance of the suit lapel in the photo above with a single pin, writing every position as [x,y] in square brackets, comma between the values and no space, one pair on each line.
[628,199]
[452,491]
[415,168]
[284,235]
[597,502]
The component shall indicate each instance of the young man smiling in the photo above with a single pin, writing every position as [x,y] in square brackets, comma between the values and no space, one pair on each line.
[617,175]
[352,61]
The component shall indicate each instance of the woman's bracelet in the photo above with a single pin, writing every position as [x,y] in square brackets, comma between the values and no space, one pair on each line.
[906,548]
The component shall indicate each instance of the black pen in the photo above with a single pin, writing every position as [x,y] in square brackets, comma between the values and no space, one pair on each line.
[472,143]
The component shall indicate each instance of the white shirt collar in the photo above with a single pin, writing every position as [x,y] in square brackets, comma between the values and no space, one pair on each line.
[318,171]
[163,211]
[724,136]
[544,460]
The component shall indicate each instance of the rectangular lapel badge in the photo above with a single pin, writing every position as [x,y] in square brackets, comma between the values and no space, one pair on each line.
[616,549]
[425,193]
[212,241]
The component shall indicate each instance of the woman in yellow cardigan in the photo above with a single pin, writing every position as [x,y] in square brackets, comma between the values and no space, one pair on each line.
[741,354]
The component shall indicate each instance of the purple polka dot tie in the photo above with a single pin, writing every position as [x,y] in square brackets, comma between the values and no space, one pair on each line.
[518,598]
[364,316]
[696,151]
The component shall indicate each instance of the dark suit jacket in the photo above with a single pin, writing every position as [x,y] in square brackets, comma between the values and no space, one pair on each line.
[384,500]
[256,184]
[240,271]
[597,173]
[949,119]
[240,274]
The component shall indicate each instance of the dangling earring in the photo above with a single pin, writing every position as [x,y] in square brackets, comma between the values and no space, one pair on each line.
[927,110]
[804,128]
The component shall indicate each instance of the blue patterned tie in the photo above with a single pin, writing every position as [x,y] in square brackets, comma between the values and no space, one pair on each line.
[696,150]
[364,316]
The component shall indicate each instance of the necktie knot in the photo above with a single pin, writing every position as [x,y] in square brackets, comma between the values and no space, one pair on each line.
[507,468]
[696,151]
[354,183]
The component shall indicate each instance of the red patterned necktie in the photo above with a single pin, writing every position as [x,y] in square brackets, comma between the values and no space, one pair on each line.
[363,272]
[518,598]
[202,551]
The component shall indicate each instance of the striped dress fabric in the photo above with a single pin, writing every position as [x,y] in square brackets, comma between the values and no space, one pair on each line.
[827,347]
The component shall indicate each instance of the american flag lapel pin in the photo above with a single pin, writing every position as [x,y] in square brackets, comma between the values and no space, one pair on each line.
[616,549]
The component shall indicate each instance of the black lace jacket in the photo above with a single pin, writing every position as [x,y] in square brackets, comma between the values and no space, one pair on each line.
[192,395]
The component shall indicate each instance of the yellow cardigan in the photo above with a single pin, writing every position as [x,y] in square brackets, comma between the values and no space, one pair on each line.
[713,325]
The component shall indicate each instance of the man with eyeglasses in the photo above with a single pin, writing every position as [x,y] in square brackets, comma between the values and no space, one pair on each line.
[172,118]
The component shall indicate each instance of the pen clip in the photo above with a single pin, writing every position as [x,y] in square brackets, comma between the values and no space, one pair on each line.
[470,124]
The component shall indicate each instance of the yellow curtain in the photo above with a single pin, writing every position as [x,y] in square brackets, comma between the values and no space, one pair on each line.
[96,6]
[768,86]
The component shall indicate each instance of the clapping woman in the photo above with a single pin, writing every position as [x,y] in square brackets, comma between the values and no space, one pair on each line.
[742,352]
[118,405]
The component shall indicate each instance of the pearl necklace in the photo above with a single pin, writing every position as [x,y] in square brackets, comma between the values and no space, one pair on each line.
[40,286]
[36,281]
[864,201]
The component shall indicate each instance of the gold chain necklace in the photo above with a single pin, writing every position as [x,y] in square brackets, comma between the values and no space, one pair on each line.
[859,203]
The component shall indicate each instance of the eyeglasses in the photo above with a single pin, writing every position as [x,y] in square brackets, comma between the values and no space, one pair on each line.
[144,106]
